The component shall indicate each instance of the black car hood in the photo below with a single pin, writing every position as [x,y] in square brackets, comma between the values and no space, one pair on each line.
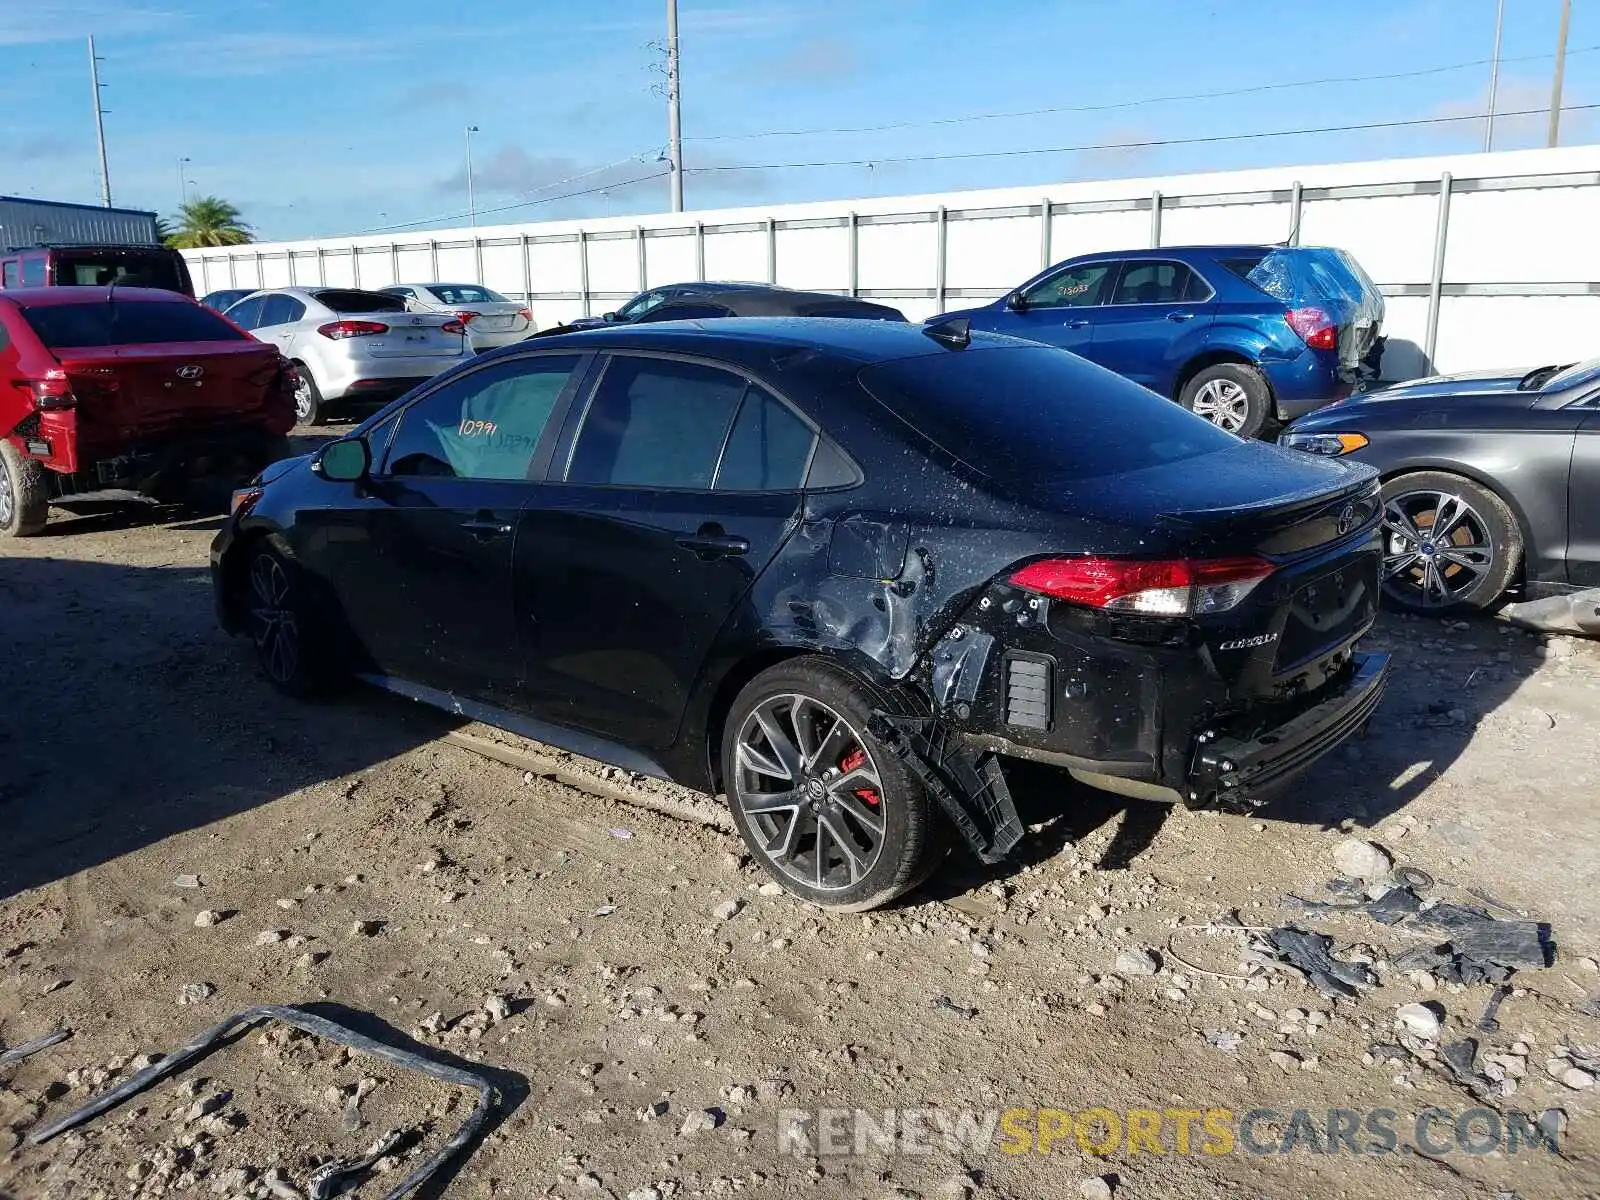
[277,470]
[1477,384]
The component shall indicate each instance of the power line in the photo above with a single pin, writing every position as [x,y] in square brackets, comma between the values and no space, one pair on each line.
[509,207]
[1151,143]
[1126,104]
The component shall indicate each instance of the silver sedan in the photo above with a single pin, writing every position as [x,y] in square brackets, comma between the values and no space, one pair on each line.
[490,318]
[351,347]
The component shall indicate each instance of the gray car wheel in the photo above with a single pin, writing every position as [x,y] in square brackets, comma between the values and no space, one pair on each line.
[1449,545]
[24,493]
[1232,396]
[309,407]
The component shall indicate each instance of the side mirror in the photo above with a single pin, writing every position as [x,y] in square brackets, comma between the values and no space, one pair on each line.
[346,461]
[1017,302]
[608,317]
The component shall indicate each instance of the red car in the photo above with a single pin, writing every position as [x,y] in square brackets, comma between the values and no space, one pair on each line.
[130,393]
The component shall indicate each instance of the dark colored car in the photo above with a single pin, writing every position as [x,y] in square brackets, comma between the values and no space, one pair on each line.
[698,302]
[1490,479]
[635,308]
[225,299]
[833,567]
[1238,334]
[127,390]
[96,266]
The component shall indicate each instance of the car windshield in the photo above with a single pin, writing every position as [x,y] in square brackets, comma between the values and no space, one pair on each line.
[1013,413]
[466,293]
[1577,374]
[128,323]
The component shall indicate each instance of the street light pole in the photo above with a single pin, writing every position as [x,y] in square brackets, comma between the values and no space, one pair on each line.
[1561,70]
[674,119]
[183,185]
[99,124]
[472,192]
[1494,74]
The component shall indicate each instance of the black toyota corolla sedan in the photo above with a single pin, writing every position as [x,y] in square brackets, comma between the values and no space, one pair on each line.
[832,568]
[1490,479]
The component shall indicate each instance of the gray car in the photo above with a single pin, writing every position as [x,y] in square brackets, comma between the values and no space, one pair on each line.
[490,318]
[351,347]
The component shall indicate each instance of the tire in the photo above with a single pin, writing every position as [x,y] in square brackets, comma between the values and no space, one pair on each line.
[888,820]
[309,406]
[1483,554]
[24,493]
[291,637]
[1232,396]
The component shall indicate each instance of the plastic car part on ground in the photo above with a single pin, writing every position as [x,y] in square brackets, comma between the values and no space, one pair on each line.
[488,1094]
[1577,612]
[27,1049]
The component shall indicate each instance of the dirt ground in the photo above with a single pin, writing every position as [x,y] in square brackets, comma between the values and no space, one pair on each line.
[358,857]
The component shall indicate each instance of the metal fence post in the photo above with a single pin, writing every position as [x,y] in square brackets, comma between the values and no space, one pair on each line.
[477,257]
[355,264]
[1295,208]
[855,255]
[394,260]
[322,268]
[942,264]
[261,270]
[433,259]
[583,269]
[1155,220]
[233,275]
[527,272]
[639,251]
[1044,233]
[772,250]
[1441,237]
[288,262]
[699,250]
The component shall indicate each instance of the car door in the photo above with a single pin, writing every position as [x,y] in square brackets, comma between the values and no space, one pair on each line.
[420,554]
[1155,322]
[681,482]
[1059,308]
[1583,507]
[280,316]
[246,314]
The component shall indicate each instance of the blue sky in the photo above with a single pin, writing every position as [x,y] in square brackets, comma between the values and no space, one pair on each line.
[323,118]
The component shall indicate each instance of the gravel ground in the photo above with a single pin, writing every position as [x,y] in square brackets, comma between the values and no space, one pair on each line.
[649,1009]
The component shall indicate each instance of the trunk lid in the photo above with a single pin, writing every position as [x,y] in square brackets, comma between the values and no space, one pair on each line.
[496,317]
[409,335]
[135,391]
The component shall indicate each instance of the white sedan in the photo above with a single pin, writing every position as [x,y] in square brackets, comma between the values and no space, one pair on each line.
[490,318]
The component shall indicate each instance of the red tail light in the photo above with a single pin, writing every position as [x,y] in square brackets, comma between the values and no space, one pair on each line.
[465,316]
[1171,587]
[525,314]
[454,327]
[339,330]
[53,391]
[1314,326]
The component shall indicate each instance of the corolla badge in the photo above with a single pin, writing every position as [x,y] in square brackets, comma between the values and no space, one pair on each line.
[1247,643]
[191,371]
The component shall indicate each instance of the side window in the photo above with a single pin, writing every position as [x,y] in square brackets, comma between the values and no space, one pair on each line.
[1076,287]
[685,312]
[12,277]
[1156,283]
[281,310]
[247,313]
[655,423]
[485,425]
[768,449]
[33,271]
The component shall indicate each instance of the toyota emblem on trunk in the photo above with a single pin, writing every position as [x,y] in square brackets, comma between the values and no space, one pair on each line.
[191,371]
[1347,518]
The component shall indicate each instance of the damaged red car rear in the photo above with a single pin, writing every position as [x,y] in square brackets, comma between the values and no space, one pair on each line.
[130,393]
[838,570]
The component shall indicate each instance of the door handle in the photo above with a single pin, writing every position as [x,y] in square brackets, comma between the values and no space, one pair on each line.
[483,527]
[1180,316]
[1080,324]
[714,544]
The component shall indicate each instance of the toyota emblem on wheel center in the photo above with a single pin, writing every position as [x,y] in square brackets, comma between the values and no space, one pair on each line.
[191,371]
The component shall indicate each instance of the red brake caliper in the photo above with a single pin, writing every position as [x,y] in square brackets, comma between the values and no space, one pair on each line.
[851,762]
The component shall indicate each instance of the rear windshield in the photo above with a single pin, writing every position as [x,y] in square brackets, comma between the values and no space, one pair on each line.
[1295,275]
[129,268]
[128,323]
[466,293]
[360,302]
[1034,411]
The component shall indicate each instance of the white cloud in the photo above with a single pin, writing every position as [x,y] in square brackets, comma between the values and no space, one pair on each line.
[32,22]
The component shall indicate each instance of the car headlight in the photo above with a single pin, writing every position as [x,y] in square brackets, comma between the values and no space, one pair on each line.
[1331,444]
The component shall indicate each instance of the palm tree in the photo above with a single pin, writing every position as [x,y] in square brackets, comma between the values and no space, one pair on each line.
[208,221]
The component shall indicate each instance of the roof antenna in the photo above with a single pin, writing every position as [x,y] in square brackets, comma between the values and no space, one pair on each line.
[952,332]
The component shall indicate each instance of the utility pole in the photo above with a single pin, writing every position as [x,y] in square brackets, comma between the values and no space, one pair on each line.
[674,122]
[1561,70]
[1494,74]
[472,191]
[183,183]
[99,125]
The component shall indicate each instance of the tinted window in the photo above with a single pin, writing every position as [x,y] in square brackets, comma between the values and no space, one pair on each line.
[247,313]
[133,268]
[655,423]
[485,425]
[768,448]
[466,293]
[281,310]
[359,302]
[641,304]
[685,312]
[1157,283]
[1072,288]
[125,323]
[12,277]
[1037,411]
[33,272]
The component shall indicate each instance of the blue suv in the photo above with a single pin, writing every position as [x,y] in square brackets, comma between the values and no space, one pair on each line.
[1236,334]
